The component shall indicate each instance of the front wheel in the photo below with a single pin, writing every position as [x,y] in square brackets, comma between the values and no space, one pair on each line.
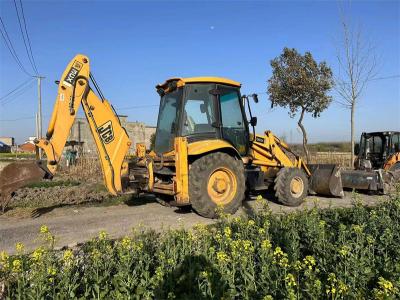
[291,186]
[216,179]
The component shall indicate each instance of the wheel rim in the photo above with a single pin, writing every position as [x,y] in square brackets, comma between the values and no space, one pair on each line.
[296,186]
[222,186]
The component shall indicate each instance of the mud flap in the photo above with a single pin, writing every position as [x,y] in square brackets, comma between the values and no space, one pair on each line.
[17,175]
[326,180]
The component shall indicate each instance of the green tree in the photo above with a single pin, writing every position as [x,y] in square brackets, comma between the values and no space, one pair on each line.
[301,84]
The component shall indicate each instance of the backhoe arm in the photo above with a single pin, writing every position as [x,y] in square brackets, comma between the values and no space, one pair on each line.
[111,139]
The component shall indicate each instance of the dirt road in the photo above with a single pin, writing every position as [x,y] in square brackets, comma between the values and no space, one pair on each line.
[73,225]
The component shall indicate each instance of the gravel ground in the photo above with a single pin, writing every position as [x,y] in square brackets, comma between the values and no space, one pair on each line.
[75,224]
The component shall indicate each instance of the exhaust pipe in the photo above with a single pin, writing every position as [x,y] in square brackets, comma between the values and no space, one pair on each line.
[326,180]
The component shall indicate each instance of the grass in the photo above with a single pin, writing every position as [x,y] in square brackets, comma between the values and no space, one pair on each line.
[17,155]
[50,184]
[350,253]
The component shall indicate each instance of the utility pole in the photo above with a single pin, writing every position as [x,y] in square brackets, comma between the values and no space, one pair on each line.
[39,113]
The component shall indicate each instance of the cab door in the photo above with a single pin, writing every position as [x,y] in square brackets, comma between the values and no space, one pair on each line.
[234,127]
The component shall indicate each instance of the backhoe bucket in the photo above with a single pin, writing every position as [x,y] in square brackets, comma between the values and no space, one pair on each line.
[16,175]
[326,180]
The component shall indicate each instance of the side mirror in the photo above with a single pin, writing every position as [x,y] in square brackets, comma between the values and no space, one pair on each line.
[255,98]
[356,149]
[253,121]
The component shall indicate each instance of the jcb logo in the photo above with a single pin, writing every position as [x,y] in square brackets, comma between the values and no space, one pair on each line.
[73,72]
[106,132]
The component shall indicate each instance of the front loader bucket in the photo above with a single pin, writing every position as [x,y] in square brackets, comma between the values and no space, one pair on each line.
[16,175]
[326,180]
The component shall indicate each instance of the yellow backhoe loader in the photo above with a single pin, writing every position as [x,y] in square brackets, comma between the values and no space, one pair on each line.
[206,151]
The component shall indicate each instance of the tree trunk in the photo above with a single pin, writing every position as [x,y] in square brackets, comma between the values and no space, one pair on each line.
[353,108]
[303,130]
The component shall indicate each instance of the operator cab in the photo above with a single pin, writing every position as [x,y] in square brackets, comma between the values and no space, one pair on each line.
[201,108]
[375,148]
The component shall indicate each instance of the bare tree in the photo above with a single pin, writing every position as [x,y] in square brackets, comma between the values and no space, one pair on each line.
[357,65]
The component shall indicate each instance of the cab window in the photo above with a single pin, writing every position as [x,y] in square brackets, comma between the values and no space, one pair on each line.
[198,113]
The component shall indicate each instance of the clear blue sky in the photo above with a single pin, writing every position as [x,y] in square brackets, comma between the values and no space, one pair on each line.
[135,45]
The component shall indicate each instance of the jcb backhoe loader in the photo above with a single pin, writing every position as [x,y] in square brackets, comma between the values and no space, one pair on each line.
[205,155]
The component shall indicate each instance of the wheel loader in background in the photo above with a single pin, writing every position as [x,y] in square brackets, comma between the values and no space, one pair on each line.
[377,166]
[206,151]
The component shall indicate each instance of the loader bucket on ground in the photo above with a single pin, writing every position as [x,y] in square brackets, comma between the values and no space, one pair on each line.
[16,175]
[326,180]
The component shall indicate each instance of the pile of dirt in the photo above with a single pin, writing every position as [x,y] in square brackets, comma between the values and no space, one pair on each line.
[59,195]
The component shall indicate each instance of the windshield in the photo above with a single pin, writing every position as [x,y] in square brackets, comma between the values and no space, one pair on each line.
[371,144]
[167,121]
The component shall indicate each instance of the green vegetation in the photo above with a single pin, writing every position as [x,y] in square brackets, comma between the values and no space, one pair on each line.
[350,253]
[9,157]
[49,183]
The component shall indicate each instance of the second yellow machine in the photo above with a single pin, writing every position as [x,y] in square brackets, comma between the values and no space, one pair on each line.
[206,152]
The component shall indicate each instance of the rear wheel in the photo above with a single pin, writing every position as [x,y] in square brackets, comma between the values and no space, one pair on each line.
[291,186]
[216,179]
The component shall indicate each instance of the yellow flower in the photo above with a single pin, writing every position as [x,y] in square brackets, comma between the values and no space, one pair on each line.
[251,223]
[290,280]
[343,288]
[102,235]
[261,231]
[268,297]
[259,197]
[322,223]
[20,248]
[385,285]
[44,229]
[51,271]
[309,262]
[344,251]
[4,257]
[95,254]
[297,265]
[68,256]
[37,254]
[222,257]
[266,244]
[248,247]
[278,251]
[227,232]
[357,229]
[16,266]
[126,243]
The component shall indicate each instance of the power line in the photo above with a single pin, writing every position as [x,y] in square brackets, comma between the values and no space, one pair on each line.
[29,41]
[31,60]
[19,119]
[387,77]
[14,90]
[11,48]
[17,94]
[137,106]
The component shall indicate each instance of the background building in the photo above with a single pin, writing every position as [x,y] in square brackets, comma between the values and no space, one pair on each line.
[9,141]
[81,136]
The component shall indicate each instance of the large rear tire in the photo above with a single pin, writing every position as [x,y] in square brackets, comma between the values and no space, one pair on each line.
[216,179]
[291,186]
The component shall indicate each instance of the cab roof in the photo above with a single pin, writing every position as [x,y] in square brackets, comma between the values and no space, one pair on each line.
[182,81]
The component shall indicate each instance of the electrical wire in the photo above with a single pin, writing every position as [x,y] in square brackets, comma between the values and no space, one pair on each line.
[14,90]
[137,106]
[11,48]
[25,39]
[17,94]
[27,35]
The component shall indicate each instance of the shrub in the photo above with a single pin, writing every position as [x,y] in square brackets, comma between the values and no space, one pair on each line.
[316,254]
